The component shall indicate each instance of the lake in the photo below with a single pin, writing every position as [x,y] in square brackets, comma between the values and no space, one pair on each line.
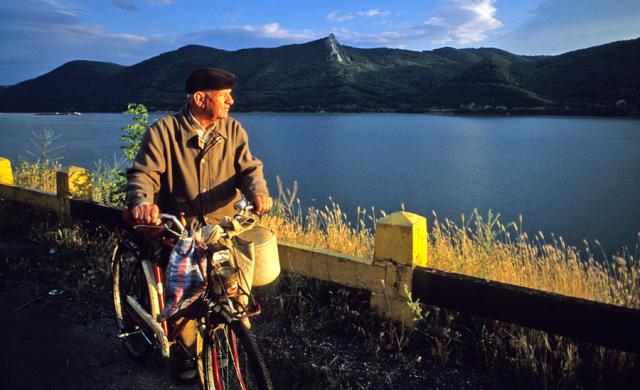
[572,176]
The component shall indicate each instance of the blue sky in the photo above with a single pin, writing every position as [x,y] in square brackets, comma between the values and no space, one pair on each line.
[39,35]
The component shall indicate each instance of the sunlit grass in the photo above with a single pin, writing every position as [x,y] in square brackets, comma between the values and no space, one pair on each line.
[486,248]
[40,175]
[327,228]
[479,246]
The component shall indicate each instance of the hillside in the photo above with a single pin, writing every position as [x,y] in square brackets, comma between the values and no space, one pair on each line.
[323,75]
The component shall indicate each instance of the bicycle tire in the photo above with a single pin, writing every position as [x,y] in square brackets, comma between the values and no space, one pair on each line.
[231,359]
[129,279]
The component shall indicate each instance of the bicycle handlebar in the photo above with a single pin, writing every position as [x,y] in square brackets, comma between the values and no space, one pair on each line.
[173,225]
[173,219]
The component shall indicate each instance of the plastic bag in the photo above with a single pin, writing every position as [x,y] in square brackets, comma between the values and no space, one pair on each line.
[185,277]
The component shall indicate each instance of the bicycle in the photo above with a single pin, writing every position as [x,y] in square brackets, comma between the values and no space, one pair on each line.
[227,354]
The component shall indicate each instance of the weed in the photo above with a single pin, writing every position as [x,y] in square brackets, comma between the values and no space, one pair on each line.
[134,131]
[40,173]
[109,182]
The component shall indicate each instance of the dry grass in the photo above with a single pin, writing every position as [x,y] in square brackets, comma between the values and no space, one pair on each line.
[480,247]
[40,174]
[486,248]
[328,228]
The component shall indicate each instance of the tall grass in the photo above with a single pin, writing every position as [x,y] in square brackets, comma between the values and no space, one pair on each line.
[488,249]
[328,228]
[45,157]
[485,247]
[479,246]
[39,174]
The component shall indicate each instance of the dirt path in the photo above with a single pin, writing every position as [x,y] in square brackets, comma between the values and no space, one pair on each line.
[68,341]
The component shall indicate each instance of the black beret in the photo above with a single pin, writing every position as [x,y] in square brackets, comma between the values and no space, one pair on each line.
[209,78]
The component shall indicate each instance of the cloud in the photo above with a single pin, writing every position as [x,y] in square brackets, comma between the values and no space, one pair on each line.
[126,5]
[337,16]
[270,34]
[480,18]
[462,22]
[558,26]
[60,6]
[38,36]
[453,22]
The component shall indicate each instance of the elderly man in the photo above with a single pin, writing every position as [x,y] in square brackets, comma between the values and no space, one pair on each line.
[194,162]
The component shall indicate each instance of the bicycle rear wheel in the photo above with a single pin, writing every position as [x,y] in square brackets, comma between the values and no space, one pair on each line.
[231,359]
[129,280]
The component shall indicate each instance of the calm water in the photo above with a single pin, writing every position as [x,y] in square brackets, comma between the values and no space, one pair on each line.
[574,177]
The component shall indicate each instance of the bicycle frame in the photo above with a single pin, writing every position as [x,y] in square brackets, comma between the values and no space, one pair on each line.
[153,275]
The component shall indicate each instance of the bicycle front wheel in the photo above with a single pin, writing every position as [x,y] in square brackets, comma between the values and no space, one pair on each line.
[129,280]
[231,359]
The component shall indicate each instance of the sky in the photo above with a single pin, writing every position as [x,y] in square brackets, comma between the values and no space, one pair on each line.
[37,36]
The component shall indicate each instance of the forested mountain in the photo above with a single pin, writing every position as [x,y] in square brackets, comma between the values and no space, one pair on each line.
[323,75]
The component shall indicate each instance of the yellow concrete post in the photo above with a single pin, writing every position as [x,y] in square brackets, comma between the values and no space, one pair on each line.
[6,174]
[401,245]
[79,182]
[74,183]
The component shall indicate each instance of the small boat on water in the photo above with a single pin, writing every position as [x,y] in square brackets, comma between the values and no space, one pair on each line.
[59,113]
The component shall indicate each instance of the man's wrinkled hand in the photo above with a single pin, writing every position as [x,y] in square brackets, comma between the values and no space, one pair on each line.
[262,204]
[146,213]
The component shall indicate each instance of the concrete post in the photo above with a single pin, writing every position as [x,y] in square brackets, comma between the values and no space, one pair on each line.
[74,183]
[400,244]
[80,183]
[6,174]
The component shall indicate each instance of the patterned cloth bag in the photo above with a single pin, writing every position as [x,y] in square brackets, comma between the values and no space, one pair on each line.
[185,276]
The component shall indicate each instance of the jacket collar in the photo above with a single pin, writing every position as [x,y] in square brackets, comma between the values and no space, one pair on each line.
[190,126]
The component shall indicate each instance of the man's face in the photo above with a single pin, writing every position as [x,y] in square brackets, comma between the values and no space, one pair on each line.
[217,103]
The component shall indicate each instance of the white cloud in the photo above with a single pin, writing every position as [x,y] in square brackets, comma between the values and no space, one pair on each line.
[462,22]
[273,32]
[373,12]
[131,38]
[60,6]
[337,16]
[453,22]
[435,21]
[399,39]
[480,18]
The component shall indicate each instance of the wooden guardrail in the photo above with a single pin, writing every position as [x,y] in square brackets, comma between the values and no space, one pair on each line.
[400,260]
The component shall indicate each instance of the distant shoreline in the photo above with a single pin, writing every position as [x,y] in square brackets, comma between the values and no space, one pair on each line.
[518,111]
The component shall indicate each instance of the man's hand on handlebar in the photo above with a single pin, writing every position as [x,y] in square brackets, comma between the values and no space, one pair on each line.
[146,213]
[261,204]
